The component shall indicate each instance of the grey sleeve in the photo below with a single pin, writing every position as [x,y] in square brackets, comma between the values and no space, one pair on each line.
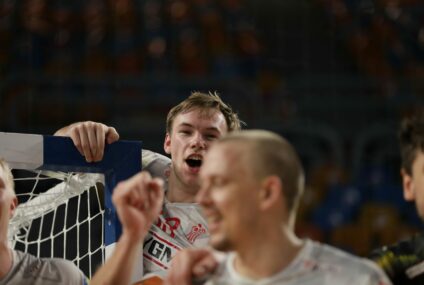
[28,269]
[156,164]
[68,271]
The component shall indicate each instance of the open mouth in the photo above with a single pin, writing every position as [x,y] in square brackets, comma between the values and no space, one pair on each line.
[213,222]
[194,161]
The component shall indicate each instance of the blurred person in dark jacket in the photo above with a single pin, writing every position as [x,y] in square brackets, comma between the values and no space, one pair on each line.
[404,261]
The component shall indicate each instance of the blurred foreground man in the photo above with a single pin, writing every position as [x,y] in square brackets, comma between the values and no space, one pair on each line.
[251,184]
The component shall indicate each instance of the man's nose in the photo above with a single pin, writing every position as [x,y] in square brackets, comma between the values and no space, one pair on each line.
[198,142]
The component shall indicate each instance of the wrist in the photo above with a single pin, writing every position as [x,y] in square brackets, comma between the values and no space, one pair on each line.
[131,238]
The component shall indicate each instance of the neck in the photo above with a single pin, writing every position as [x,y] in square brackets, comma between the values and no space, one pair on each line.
[5,258]
[179,192]
[259,259]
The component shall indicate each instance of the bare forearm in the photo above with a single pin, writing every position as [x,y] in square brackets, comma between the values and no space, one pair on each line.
[138,202]
[118,269]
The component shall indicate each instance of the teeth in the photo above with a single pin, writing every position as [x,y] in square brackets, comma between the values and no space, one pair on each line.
[195,157]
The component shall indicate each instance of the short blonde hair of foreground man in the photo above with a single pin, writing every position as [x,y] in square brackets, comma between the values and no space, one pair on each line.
[251,184]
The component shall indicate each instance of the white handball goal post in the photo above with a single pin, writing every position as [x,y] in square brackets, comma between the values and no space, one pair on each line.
[65,208]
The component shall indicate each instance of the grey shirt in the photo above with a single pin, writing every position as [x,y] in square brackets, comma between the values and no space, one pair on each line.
[28,269]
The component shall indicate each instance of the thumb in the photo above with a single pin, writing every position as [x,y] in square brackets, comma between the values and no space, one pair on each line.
[111,135]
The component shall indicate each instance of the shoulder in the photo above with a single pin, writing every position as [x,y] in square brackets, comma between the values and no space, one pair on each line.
[46,270]
[403,260]
[156,164]
[64,269]
[349,266]
[331,255]
[413,246]
[149,157]
[64,265]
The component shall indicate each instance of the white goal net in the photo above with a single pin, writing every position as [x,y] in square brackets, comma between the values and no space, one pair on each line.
[65,209]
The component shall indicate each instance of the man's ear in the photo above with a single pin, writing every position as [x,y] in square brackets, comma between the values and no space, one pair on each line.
[13,206]
[270,192]
[167,144]
[408,186]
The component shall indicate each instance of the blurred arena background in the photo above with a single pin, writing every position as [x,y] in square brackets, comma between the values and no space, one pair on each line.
[333,76]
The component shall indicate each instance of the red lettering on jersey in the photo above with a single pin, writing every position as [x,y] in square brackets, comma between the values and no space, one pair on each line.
[195,232]
[169,225]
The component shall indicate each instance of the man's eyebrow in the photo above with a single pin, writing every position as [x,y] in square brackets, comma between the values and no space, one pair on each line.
[191,126]
[185,125]
[213,129]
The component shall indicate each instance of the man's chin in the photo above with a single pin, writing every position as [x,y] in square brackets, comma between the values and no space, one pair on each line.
[221,245]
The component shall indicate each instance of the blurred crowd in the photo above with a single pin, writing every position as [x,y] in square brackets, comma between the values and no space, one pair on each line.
[386,39]
[104,60]
[191,38]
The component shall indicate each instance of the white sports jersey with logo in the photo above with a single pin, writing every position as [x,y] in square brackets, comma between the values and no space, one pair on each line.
[315,264]
[180,225]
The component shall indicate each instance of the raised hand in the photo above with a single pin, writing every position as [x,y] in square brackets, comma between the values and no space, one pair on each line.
[138,202]
[89,138]
[190,266]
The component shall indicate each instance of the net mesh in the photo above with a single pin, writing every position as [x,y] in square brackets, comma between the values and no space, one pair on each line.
[60,215]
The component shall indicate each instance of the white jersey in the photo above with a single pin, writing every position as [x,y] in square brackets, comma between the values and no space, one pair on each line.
[28,269]
[315,264]
[179,225]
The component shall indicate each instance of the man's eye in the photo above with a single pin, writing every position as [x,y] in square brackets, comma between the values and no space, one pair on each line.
[211,137]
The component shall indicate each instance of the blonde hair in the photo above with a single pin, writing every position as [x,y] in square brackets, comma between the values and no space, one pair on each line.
[204,101]
[8,174]
[271,154]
